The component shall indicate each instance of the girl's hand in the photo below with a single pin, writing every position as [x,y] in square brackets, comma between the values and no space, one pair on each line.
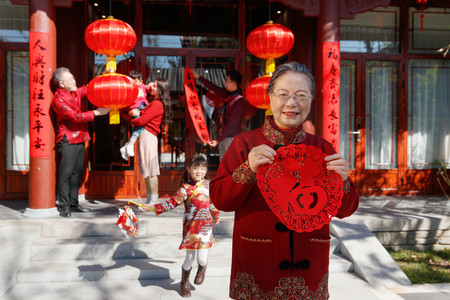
[216,221]
[337,163]
[148,207]
[260,155]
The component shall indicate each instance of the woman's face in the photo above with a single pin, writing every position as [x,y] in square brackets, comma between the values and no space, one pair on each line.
[288,111]
[154,89]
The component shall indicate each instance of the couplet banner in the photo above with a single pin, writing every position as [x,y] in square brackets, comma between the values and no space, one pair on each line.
[331,90]
[194,106]
[40,93]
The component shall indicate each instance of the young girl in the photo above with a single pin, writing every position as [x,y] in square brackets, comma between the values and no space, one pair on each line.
[199,215]
[140,103]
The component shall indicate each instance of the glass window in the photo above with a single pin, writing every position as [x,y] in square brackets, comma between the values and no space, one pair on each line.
[199,24]
[14,22]
[348,140]
[381,115]
[428,109]
[213,69]
[429,30]
[376,31]
[172,138]
[17,111]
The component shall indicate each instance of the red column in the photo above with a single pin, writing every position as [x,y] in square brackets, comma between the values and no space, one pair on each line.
[329,81]
[41,177]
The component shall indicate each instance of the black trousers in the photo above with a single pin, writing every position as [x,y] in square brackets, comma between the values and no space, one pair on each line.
[70,171]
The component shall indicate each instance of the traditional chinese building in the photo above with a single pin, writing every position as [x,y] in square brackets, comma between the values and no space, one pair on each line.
[389,117]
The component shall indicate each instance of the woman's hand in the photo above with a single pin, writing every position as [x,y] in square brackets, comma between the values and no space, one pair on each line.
[337,163]
[134,112]
[260,155]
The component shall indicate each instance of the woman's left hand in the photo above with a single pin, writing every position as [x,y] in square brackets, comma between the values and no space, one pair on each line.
[134,112]
[337,163]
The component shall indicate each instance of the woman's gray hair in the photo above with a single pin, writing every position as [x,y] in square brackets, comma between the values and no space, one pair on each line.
[291,67]
[57,75]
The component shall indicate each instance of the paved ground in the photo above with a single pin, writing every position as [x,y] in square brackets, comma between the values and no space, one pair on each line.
[342,285]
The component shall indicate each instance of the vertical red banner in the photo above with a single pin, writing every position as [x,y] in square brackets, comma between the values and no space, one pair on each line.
[40,93]
[194,106]
[331,89]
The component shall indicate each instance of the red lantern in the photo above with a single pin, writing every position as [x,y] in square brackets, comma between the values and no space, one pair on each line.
[421,4]
[112,90]
[256,92]
[270,41]
[110,37]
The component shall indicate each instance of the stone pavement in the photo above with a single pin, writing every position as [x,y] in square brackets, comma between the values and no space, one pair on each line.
[27,245]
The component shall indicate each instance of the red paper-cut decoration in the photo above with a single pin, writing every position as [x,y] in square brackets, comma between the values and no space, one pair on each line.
[256,92]
[299,189]
[195,109]
[112,90]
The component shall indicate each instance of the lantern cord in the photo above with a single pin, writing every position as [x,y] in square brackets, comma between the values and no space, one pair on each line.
[270,10]
[110,7]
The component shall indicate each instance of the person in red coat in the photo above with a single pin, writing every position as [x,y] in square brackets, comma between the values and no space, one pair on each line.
[71,133]
[269,260]
[151,118]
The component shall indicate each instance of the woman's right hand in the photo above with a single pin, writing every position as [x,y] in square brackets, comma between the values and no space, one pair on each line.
[260,155]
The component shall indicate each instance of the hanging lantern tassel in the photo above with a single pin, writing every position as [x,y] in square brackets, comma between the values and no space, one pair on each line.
[111,63]
[114,117]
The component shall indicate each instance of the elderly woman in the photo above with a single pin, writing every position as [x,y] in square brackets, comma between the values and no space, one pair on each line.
[269,260]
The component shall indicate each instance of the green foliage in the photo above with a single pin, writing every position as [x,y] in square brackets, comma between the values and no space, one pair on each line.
[424,266]
[442,172]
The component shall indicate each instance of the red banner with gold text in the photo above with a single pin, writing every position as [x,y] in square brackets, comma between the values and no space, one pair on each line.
[194,106]
[331,89]
[40,93]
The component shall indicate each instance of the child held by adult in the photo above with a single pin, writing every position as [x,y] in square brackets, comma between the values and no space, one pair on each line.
[199,215]
[140,103]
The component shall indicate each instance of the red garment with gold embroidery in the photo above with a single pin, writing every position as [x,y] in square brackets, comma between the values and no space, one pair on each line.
[269,260]
[199,213]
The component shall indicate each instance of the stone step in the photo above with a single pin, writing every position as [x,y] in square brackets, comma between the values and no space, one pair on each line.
[104,247]
[139,269]
[115,269]
[169,223]
[95,248]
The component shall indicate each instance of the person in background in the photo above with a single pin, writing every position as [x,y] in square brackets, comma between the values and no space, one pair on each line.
[140,103]
[156,113]
[268,257]
[232,110]
[71,133]
[199,215]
